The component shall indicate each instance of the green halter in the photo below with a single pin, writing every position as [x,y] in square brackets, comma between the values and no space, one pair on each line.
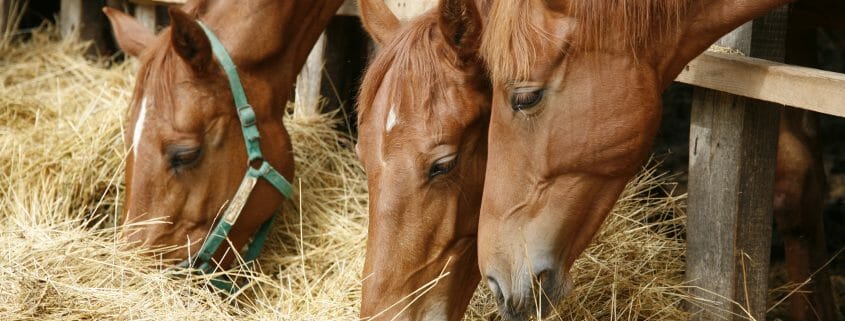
[202,261]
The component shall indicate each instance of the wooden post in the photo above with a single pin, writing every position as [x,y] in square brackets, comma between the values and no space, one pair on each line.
[307,91]
[146,14]
[310,81]
[85,19]
[4,16]
[733,142]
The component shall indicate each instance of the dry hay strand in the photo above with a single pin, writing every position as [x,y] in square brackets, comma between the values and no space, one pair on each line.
[61,151]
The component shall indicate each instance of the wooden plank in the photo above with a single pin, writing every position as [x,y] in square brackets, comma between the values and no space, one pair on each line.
[806,88]
[84,19]
[5,5]
[146,14]
[733,142]
[308,83]
[70,16]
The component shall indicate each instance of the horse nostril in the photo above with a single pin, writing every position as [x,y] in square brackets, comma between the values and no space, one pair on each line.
[497,291]
[544,277]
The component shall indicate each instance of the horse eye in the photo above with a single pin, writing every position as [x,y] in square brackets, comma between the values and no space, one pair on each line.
[525,98]
[443,166]
[183,157]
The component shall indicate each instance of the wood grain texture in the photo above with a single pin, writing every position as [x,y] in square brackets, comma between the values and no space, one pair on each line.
[146,14]
[733,143]
[806,88]
[4,13]
[309,81]
[84,19]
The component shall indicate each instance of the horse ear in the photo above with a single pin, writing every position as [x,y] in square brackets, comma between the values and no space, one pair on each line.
[460,23]
[189,41]
[132,37]
[379,21]
[710,21]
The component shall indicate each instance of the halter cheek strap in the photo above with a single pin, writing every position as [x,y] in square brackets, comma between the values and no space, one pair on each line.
[249,128]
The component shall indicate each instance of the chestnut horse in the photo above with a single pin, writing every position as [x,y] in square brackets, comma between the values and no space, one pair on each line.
[188,144]
[423,115]
[576,106]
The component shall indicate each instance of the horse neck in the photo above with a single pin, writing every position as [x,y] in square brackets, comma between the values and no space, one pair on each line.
[268,39]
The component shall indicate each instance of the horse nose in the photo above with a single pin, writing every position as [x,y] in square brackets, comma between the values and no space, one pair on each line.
[521,304]
[510,307]
[496,289]
[544,278]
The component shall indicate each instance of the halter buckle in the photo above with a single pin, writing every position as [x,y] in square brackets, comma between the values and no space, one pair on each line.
[247,115]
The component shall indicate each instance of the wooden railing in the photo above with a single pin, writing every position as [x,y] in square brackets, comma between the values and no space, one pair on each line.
[807,88]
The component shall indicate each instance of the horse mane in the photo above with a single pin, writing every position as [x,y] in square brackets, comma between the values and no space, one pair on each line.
[410,53]
[512,39]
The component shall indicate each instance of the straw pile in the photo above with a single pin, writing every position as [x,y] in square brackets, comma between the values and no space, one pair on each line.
[61,152]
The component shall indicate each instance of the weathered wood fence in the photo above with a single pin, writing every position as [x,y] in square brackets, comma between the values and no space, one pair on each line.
[733,139]
[85,19]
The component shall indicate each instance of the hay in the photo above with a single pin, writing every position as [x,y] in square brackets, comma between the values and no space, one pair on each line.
[60,189]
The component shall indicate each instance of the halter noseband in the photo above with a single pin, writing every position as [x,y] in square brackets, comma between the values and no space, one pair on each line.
[249,128]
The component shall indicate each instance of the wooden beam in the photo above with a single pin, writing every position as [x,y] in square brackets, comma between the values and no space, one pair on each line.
[806,88]
[733,142]
[308,83]
[146,14]
[85,19]
[5,6]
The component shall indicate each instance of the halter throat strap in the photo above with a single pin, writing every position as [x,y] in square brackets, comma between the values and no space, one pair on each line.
[249,128]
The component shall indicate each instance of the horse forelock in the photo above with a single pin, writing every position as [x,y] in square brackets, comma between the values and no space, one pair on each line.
[157,75]
[416,55]
[512,39]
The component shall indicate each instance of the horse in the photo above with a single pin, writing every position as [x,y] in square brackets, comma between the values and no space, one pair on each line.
[192,153]
[423,113]
[576,107]
[800,185]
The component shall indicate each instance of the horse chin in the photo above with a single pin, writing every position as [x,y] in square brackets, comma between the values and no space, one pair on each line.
[551,293]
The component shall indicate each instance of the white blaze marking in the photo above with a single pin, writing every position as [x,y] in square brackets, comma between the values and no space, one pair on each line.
[391,119]
[139,127]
